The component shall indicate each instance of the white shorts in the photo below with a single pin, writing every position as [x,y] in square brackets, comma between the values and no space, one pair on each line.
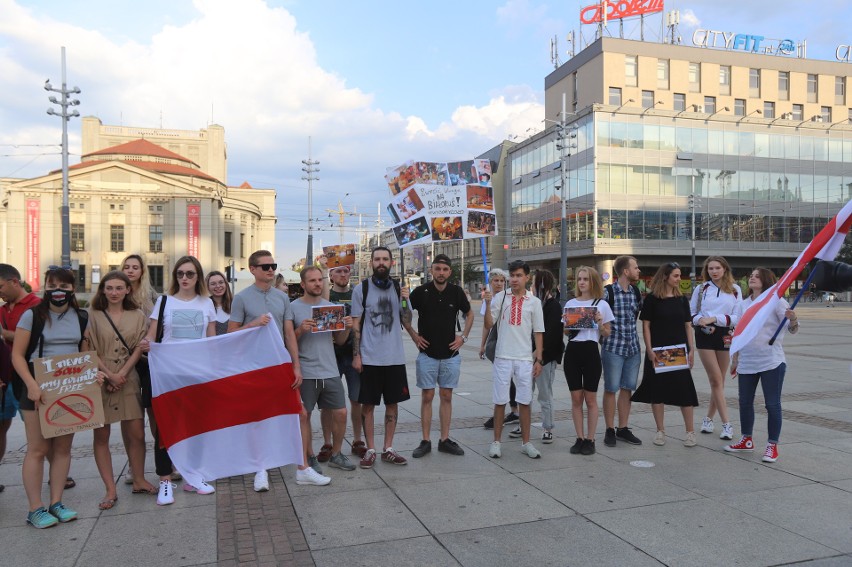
[506,370]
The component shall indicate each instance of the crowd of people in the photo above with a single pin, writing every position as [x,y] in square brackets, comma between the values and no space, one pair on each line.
[523,335]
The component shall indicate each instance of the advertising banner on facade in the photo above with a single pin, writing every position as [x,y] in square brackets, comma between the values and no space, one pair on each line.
[33,224]
[193,222]
[71,394]
[437,201]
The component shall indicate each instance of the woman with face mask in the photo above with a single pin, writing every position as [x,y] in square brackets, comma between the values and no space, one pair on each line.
[58,325]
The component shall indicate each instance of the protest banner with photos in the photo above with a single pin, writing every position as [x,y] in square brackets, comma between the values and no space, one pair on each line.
[71,394]
[441,201]
[670,358]
[339,255]
[580,317]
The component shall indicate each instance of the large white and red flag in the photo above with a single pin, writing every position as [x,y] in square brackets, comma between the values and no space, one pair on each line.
[225,405]
[824,246]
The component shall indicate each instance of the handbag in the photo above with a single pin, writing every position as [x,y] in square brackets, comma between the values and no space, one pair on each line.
[491,341]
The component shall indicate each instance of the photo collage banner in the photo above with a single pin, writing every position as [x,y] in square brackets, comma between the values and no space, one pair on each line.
[440,201]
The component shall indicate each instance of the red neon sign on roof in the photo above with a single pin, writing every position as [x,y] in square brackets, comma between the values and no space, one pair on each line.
[619,9]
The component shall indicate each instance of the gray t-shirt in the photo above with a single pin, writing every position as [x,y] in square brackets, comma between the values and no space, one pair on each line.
[381,332]
[252,302]
[316,350]
[61,334]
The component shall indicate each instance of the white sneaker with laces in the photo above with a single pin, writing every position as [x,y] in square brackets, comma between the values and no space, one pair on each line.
[203,488]
[310,476]
[166,495]
[690,439]
[494,451]
[261,481]
[660,438]
[530,451]
[707,425]
[727,431]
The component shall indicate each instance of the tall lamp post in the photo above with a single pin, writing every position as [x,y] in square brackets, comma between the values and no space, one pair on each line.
[310,169]
[63,113]
[687,157]
[566,141]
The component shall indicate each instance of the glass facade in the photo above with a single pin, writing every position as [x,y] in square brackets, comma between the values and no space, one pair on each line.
[631,176]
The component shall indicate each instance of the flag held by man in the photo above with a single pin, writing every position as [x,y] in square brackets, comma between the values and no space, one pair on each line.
[225,405]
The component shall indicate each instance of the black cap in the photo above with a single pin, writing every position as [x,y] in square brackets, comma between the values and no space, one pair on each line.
[442,259]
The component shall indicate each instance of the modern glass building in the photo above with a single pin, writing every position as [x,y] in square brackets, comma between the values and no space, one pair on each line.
[762,142]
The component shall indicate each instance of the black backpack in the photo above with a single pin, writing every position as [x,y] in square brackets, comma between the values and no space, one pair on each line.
[365,287]
[610,297]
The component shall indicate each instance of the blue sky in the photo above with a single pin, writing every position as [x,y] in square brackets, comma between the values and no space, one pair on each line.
[373,83]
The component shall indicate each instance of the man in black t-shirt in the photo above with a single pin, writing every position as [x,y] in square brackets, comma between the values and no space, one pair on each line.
[439,362]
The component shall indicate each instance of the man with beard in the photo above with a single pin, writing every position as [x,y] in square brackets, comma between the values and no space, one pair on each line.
[379,308]
[321,382]
[439,362]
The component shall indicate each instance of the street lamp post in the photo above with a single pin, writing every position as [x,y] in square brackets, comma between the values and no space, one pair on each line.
[64,103]
[310,169]
[565,142]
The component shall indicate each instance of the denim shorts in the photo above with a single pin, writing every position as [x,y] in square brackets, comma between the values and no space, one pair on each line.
[620,372]
[437,372]
[353,378]
[10,405]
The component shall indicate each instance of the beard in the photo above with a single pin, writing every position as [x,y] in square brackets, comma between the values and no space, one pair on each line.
[381,272]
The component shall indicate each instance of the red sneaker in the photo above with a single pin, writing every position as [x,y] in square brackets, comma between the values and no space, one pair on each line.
[359,448]
[368,459]
[324,453]
[746,445]
[392,457]
[771,453]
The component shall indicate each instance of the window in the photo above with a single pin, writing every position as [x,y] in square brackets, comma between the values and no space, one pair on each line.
[709,104]
[769,109]
[243,244]
[112,206]
[615,96]
[813,88]
[81,278]
[121,207]
[724,79]
[155,238]
[754,83]
[695,77]
[679,101]
[647,99]
[82,205]
[739,107]
[631,70]
[78,238]
[825,114]
[783,85]
[839,91]
[116,238]
[155,274]
[798,112]
[663,74]
[229,244]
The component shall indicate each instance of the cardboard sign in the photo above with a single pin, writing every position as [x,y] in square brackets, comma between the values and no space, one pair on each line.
[71,393]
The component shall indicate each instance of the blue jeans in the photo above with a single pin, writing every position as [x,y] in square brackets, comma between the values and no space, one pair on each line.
[620,372]
[771,382]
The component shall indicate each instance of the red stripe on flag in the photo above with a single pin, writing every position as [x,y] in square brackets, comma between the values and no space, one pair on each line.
[236,400]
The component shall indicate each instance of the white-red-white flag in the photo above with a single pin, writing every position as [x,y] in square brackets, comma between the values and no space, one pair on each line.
[824,246]
[225,405]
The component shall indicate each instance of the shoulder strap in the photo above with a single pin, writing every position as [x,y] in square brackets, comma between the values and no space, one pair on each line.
[610,295]
[36,338]
[82,320]
[595,302]
[159,336]
[637,294]
[365,287]
[114,328]
[398,288]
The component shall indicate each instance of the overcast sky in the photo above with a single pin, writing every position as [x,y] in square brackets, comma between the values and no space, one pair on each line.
[374,83]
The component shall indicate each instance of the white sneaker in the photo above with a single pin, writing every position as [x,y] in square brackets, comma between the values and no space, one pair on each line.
[660,438]
[690,439]
[310,476]
[530,451]
[202,488]
[261,481]
[727,431]
[494,451]
[166,495]
[707,425]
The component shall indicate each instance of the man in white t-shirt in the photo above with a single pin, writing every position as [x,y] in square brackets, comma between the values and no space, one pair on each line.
[520,322]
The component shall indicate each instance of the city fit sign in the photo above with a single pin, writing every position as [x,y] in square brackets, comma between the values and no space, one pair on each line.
[743,42]
[619,9]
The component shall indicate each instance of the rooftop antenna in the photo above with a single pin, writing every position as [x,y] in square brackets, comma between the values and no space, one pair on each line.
[672,21]
[554,52]
[570,39]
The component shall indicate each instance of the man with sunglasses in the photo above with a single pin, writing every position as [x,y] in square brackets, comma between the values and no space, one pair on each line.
[249,309]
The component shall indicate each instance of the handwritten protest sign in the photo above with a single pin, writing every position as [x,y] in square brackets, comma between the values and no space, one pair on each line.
[72,396]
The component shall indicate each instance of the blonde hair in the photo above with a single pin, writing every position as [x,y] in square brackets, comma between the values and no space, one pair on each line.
[142,292]
[726,284]
[596,288]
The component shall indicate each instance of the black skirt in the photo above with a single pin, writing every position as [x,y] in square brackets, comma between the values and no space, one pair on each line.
[674,388]
[713,341]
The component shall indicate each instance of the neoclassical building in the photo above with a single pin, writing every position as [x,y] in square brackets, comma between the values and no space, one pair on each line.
[154,192]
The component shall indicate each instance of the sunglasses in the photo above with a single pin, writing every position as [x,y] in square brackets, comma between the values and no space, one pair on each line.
[66,268]
[188,274]
[266,267]
[673,265]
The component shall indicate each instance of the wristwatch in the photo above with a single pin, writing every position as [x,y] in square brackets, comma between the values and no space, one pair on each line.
[464,339]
